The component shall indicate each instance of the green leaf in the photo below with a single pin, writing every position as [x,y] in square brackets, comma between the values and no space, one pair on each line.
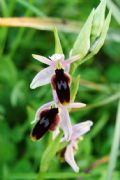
[30,6]
[100,124]
[98,20]
[19,94]
[74,87]
[82,44]
[8,71]
[58,47]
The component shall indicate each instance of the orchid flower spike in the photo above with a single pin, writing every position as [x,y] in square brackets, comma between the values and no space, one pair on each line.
[56,73]
[78,131]
[51,117]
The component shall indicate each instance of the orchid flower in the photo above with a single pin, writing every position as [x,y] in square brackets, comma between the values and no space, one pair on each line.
[56,61]
[50,117]
[56,73]
[78,131]
[65,123]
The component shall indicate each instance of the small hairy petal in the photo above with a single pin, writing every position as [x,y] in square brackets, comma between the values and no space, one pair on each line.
[69,158]
[42,78]
[66,124]
[76,105]
[42,59]
[80,129]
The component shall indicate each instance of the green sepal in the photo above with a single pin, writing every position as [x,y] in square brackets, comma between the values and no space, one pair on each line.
[58,47]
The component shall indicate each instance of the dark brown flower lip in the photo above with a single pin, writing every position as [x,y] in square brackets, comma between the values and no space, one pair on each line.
[61,83]
[49,119]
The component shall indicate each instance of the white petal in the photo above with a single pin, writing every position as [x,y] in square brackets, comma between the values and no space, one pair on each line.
[66,123]
[42,59]
[73,59]
[69,158]
[42,78]
[56,57]
[76,105]
[55,133]
[47,105]
[80,129]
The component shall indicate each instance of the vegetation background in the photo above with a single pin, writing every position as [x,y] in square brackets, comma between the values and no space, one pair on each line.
[99,89]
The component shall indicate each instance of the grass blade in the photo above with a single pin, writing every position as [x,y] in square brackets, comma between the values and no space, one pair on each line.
[30,6]
[115,146]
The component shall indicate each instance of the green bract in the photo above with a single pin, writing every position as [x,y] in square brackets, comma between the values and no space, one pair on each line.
[82,44]
[58,47]
[98,20]
[100,41]
[92,35]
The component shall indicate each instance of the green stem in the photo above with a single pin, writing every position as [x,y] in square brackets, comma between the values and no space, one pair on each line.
[47,156]
[115,146]
[41,175]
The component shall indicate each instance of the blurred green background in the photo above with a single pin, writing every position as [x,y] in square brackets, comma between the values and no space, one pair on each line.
[99,86]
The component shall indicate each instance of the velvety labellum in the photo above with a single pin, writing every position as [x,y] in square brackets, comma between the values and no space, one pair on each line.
[60,82]
[49,119]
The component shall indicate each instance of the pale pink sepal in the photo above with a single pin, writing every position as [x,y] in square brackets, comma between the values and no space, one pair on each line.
[42,78]
[47,105]
[66,123]
[69,158]
[80,129]
[56,57]
[42,59]
[73,59]
[76,105]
